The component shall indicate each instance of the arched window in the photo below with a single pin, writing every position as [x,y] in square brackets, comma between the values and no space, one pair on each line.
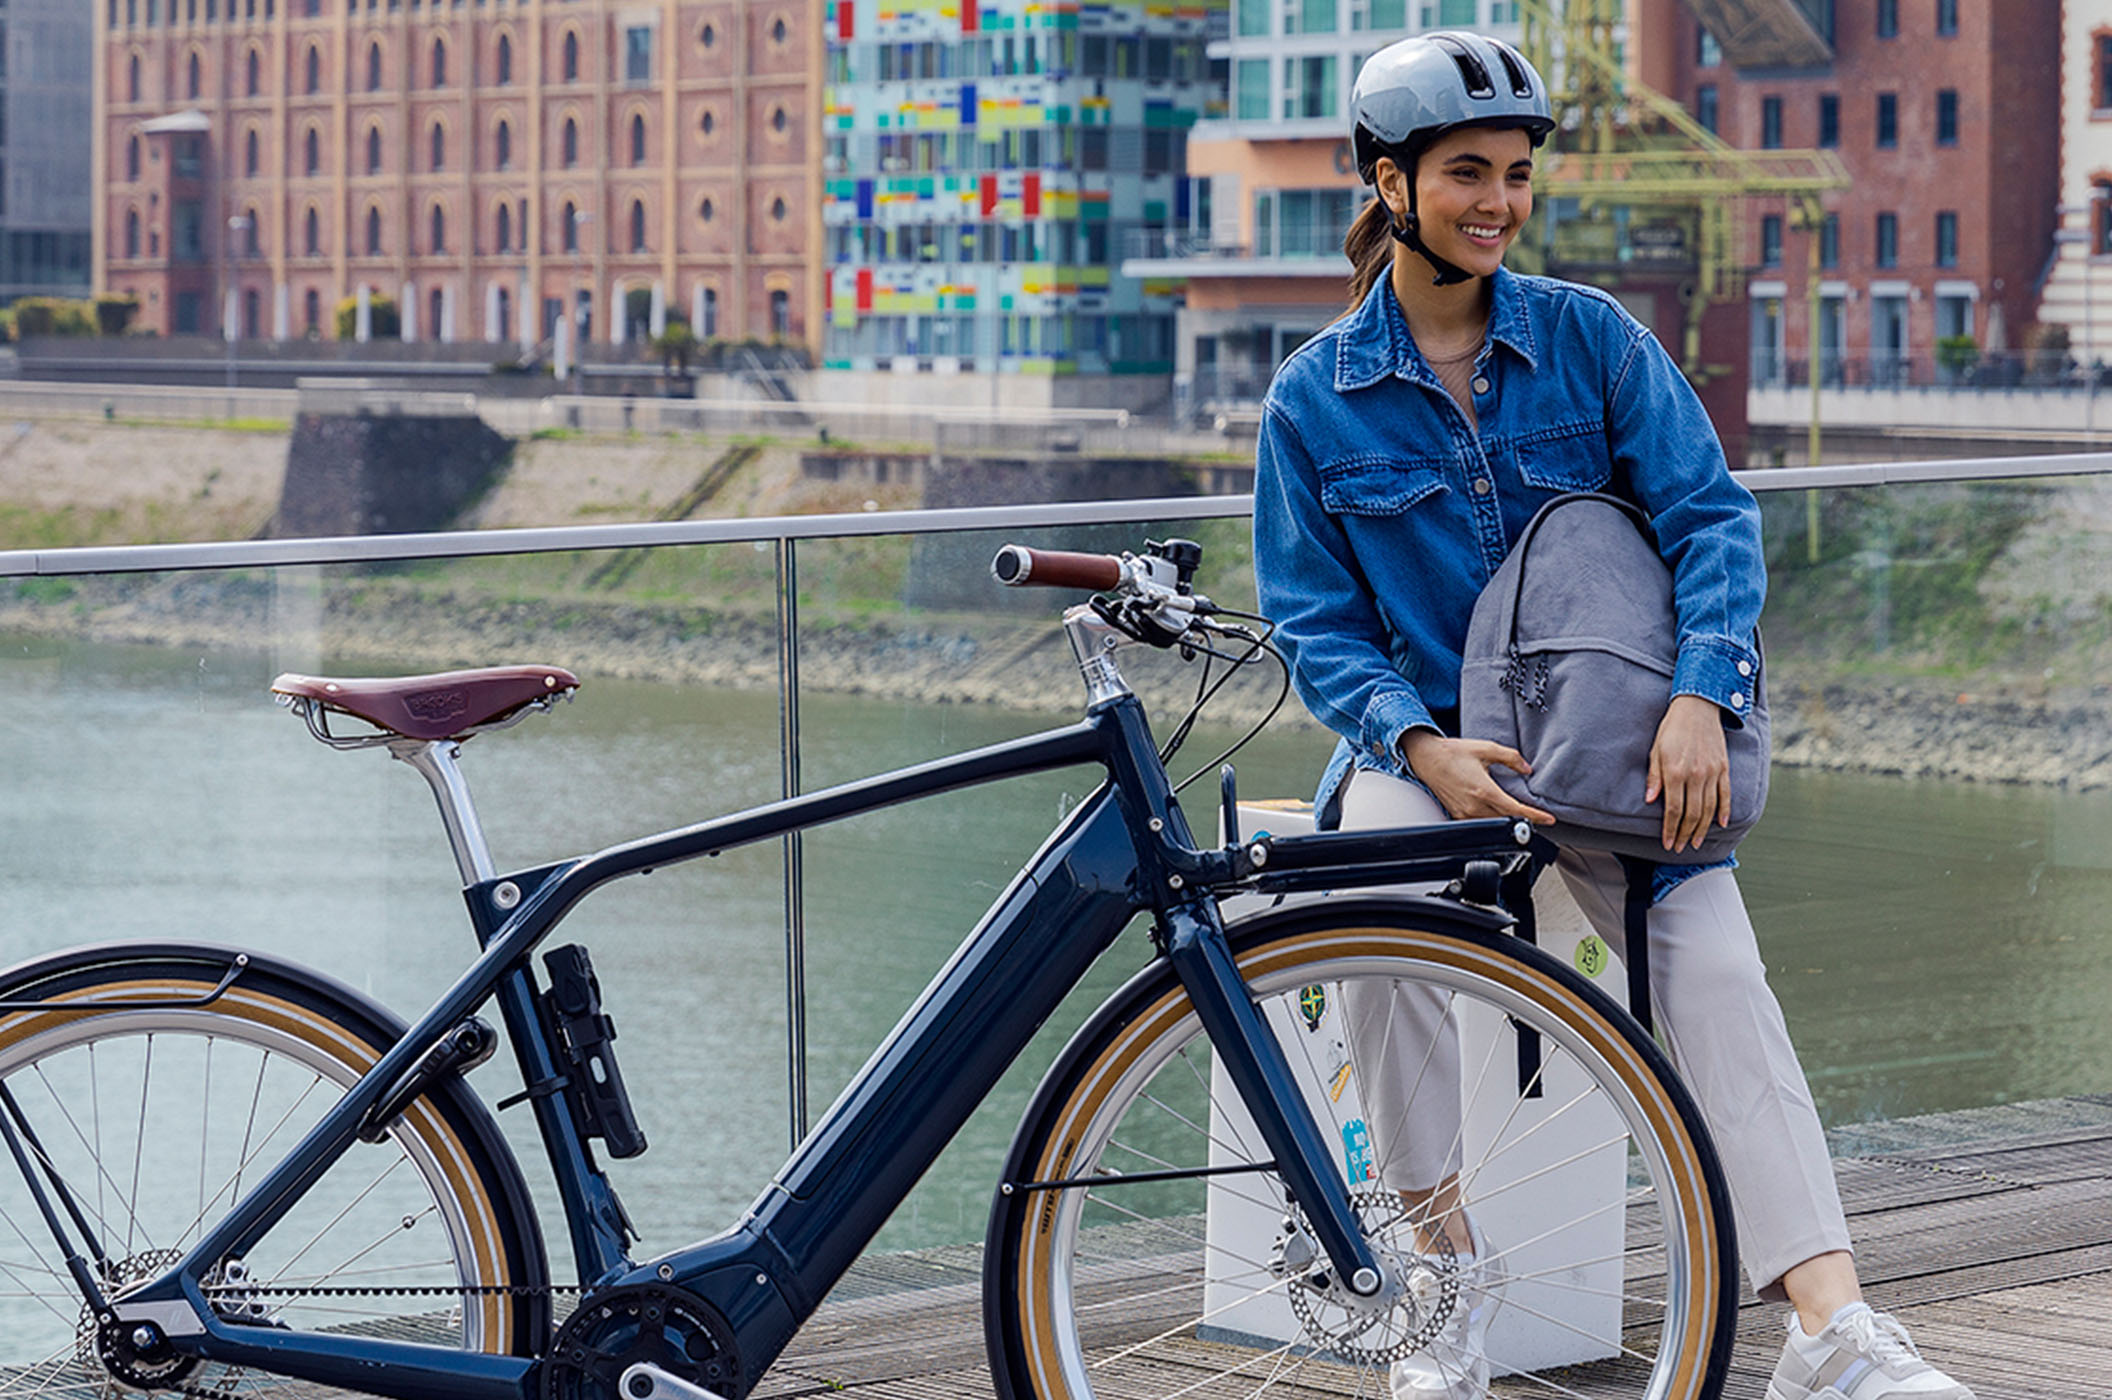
[312,233]
[637,225]
[505,229]
[777,30]
[252,315]
[570,144]
[571,63]
[373,232]
[132,233]
[312,311]
[505,325]
[132,79]
[192,77]
[254,73]
[710,326]
[374,67]
[436,313]
[571,230]
[778,119]
[708,122]
[311,152]
[439,146]
[502,145]
[780,312]
[373,150]
[132,159]
[638,138]
[505,63]
[252,234]
[439,230]
[439,63]
[250,157]
[313,78]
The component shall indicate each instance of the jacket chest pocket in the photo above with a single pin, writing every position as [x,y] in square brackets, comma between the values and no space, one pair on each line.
[1378,485]
[1571,457]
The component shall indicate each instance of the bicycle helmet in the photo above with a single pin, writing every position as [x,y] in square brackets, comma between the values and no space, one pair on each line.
[1410,93]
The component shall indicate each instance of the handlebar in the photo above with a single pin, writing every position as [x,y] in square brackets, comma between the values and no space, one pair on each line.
[1017,566]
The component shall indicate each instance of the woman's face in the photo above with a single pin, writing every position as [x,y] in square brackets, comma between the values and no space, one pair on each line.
[1473,193]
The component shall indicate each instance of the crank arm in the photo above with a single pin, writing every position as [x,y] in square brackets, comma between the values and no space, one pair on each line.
[645,1381]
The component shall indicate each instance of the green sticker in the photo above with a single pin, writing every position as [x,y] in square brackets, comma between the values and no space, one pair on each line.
[1591,955]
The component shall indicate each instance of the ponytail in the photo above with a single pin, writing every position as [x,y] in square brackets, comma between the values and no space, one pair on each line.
[1369,245]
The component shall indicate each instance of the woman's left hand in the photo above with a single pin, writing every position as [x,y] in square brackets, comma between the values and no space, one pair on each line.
[1690,767]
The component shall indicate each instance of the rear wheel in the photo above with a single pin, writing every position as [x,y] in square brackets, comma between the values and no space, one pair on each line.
[157,1116]
[1143,1246]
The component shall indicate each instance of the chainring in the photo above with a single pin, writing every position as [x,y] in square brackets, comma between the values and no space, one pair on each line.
[614,1330]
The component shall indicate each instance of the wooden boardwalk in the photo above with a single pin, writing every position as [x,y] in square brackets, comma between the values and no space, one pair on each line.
[1988,1233]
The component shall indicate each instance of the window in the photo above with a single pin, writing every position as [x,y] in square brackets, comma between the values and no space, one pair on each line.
[373,232]
[1309,16]
[2101,217]
[504,64]
[312,233]
[374,67]
[253,76]
[502,145]
[570,232]
[1888,240]
[439,151]
[439,63]
[1309,86]
[192,80]
[1947,17]
[1253,20]
[312,310]
[569,146]
[313,76]
[780,312]
[708,323]
[637,226]
[638,138]
[1829,119]
[1887,119]
[311,152]
[436,313]
[1770,123]
[1888,19]
[252,233]
[373,150]
[439,229]
[132,79]
[1947,117]
[1705,106]
[1253,102]
[504,235]
[132,233]
[1830,241]
[250,160]
[1947,239]
[1707,52]
[132,159]
[638,53]
[571,58]
[1771,241]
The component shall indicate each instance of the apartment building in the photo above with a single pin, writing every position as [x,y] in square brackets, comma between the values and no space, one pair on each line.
[987,164]
[45,48]
[2077,293]
[496,168]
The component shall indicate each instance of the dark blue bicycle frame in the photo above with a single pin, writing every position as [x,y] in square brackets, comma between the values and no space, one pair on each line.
[1126,849]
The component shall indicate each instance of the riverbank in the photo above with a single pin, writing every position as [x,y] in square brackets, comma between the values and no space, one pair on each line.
[1905,727]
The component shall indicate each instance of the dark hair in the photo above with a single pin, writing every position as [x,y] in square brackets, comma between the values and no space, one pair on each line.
[1369,244]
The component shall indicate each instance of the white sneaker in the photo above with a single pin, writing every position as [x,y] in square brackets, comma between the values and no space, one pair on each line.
[1858,1355]
[1455,1364]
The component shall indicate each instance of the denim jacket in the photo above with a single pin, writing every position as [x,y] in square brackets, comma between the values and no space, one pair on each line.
[1380,511]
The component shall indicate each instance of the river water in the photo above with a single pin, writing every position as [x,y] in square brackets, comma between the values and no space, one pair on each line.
[1936,947]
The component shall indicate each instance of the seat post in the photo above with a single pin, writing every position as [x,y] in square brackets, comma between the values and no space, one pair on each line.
[435,761]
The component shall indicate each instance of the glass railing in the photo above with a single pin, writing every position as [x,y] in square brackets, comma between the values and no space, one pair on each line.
[1926,885]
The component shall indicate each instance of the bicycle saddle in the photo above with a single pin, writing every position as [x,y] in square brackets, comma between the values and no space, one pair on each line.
[446,705]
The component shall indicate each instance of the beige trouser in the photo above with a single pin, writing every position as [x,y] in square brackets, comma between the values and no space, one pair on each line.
[1713,1009]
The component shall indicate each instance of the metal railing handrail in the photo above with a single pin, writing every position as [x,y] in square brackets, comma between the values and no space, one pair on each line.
[458,544]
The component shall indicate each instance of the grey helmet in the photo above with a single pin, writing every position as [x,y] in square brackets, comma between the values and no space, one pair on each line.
[1415,90]
[1412,92]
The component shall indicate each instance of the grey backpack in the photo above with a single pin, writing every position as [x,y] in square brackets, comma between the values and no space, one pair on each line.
[1569,660]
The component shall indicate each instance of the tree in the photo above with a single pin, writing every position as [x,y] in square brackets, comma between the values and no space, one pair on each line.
[383,319]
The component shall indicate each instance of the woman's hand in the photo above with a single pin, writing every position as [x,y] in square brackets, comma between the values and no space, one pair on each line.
[1457,773]
[1691,769]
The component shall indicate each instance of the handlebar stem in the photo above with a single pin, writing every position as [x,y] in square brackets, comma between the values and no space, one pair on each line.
[1094,642]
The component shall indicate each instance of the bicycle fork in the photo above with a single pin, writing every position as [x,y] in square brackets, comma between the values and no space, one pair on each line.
[1194,941]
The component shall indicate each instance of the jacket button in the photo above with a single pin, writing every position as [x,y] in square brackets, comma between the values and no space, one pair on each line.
[1481,385]
[1737,699]
[1481,486]
[1745,668]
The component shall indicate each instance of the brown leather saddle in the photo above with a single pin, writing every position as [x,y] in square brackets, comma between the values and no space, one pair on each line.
[445,705]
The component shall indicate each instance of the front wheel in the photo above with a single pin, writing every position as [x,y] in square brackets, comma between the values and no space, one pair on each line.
[1142,1245]
[158,1103]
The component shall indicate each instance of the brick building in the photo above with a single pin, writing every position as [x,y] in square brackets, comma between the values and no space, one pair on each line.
[487,165]
[1945,113]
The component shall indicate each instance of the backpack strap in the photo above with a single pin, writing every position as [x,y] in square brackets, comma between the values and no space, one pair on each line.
[1635,922]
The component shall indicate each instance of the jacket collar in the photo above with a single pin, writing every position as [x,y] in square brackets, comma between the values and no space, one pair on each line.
[1373,342]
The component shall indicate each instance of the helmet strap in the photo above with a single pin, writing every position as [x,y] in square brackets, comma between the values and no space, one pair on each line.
[1408,233]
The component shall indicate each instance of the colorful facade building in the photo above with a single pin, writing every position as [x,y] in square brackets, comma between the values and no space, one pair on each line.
[496,168]
[2077,293]
[987,165]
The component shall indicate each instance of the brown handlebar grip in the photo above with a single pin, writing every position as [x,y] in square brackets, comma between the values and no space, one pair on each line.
[1017,566]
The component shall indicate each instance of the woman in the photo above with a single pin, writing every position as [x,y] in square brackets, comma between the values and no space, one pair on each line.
[1401,451]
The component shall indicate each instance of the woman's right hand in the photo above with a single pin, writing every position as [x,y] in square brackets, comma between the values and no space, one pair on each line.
[1457,773]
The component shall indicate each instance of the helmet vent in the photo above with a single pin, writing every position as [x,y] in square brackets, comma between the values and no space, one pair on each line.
[1521,85]
[1472,71]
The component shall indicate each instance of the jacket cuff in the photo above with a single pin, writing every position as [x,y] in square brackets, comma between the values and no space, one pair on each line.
[1391,714]
[1718,671]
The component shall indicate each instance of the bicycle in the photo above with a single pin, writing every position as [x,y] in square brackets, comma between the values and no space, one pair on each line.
[231,1173]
